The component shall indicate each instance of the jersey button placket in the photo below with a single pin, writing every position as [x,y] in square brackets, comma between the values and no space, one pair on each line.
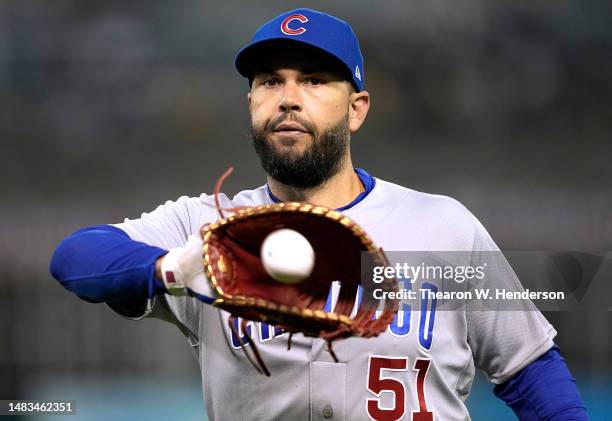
[328,391]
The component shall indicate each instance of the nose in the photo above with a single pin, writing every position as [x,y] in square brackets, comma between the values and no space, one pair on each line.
[291,99]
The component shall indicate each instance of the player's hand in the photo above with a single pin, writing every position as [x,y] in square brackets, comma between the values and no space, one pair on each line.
[183,273]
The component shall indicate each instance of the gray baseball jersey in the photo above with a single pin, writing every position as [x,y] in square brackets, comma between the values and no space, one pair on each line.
[420,369]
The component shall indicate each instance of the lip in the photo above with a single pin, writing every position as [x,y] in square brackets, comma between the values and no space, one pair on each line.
[294,134]
[289,127]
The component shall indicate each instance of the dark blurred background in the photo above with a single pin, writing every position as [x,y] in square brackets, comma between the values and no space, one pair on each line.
[111,108]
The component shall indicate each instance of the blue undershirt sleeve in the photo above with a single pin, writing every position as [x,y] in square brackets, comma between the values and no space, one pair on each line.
[544,390]
[102,263]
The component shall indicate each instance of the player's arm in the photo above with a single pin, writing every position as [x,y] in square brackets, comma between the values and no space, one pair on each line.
[544,390]
[517,351]
[103,264]
[117,264]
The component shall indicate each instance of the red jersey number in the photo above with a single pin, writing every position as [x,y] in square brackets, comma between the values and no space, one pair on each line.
[377,384]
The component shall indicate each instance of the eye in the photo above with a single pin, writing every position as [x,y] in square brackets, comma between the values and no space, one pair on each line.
[315,81]
[269,82]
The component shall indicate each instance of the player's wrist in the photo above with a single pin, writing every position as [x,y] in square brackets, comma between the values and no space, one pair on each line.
[181,271]
[170,272]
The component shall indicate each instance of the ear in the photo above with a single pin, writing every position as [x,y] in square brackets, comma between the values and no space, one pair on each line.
[359,104]
[249,99]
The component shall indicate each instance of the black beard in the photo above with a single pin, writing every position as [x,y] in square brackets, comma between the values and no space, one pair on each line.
[314,166]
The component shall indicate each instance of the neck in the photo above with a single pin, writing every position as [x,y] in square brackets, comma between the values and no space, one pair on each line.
[339,190]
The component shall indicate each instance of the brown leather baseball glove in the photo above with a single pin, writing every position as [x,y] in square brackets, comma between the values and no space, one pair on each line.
[343,251]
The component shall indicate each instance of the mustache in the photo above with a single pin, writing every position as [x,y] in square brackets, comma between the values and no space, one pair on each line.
[273,124]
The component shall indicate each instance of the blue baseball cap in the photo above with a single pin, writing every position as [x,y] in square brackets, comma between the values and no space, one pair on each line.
[307,26]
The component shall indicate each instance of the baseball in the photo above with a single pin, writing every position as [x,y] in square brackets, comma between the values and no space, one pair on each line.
[287,256]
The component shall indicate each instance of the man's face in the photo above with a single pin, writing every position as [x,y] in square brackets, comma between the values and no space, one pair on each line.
[300,110]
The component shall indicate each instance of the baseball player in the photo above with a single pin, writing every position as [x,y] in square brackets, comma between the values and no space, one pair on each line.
[306,98]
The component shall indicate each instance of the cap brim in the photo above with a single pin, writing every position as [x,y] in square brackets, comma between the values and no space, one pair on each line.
[248,57]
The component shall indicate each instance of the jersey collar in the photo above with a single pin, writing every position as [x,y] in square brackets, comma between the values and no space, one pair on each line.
[366,179]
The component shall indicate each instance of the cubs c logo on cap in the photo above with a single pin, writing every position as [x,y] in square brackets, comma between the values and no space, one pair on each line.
[285,29]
